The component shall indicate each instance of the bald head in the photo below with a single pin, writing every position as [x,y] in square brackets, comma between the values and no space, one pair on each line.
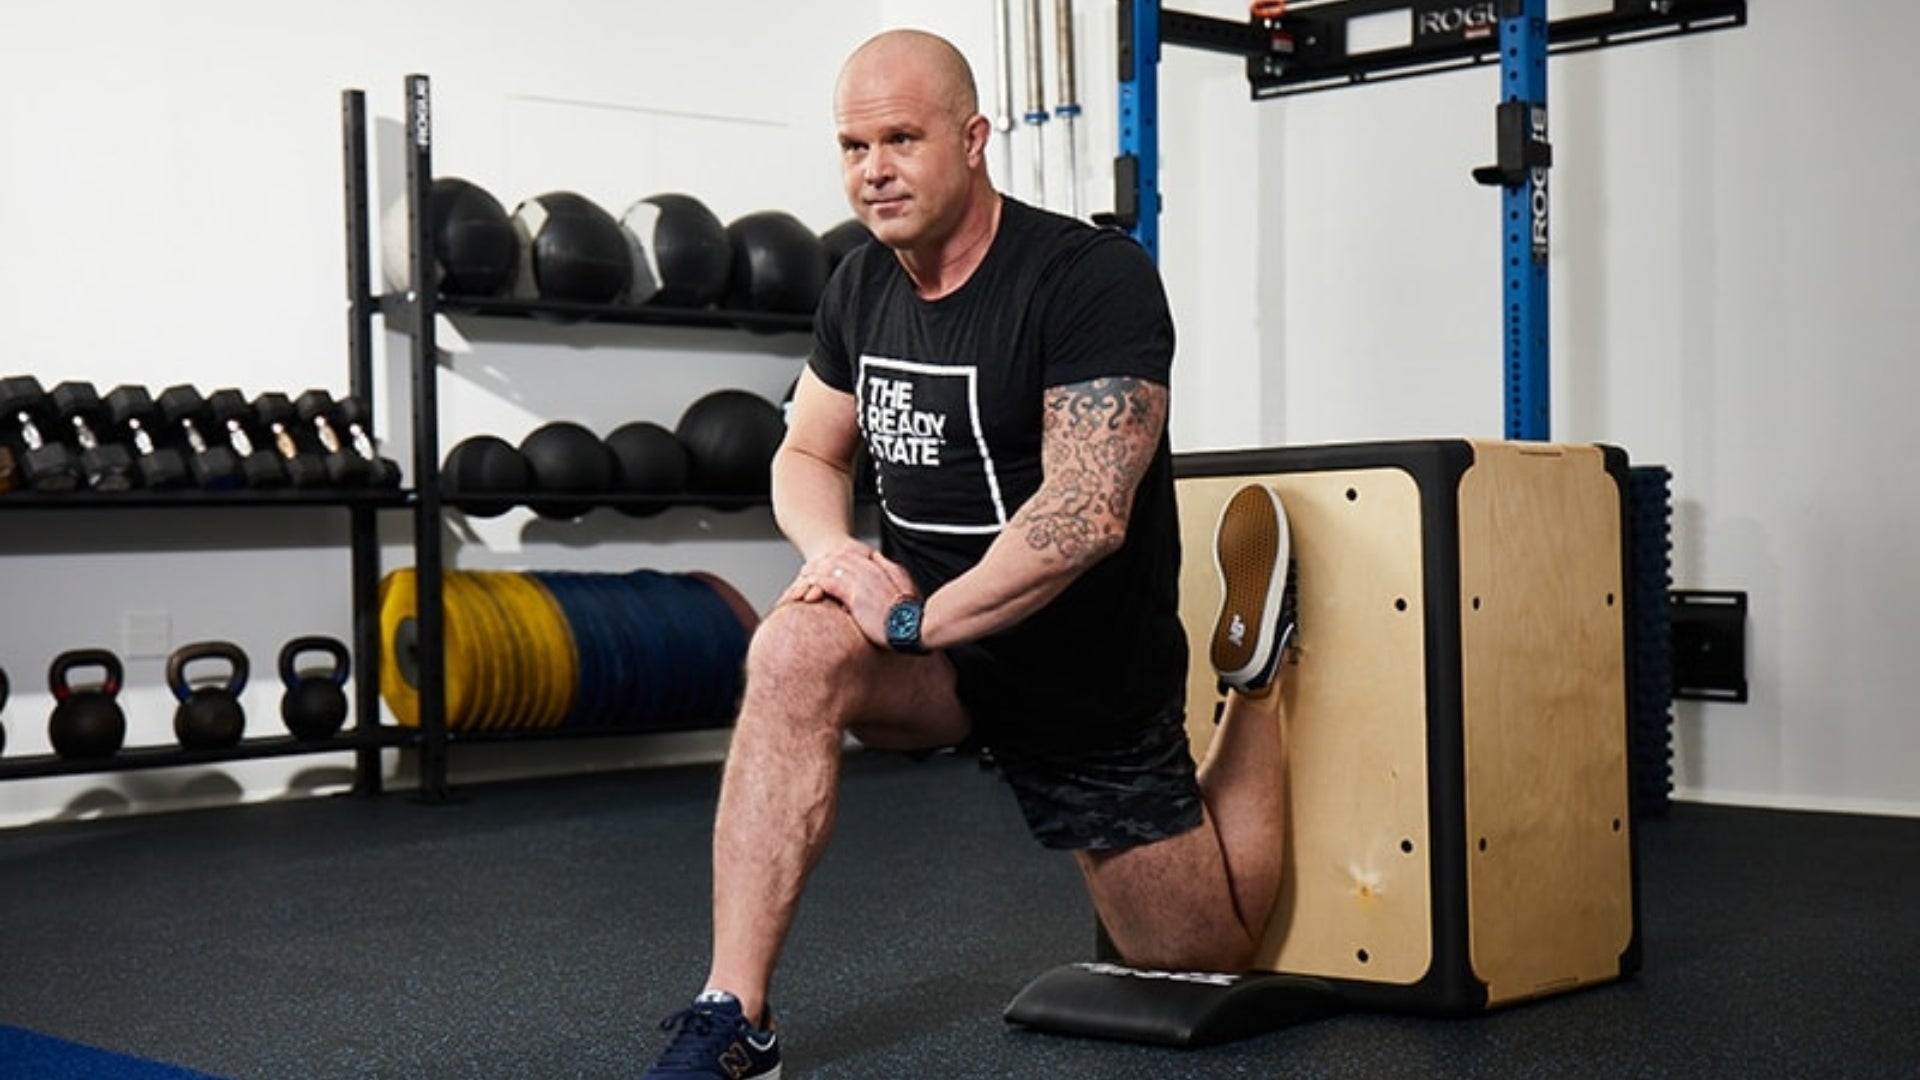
[913,154]
[943,74]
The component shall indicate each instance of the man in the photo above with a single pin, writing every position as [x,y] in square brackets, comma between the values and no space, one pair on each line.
[1008,370]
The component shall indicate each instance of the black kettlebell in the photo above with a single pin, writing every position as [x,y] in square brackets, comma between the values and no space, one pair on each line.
[315,704]
[208,717]
[86,723]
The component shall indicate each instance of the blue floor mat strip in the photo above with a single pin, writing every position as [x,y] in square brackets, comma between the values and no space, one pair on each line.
[32,1056]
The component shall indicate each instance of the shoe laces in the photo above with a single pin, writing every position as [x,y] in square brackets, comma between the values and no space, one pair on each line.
[703,1034]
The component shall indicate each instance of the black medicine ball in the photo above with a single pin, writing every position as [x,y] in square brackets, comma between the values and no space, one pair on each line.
[647,460]
[475,248]
[571,249]
[841,241]
[731,436]
[485,465]
[685,247]
[779,265]
[566,459]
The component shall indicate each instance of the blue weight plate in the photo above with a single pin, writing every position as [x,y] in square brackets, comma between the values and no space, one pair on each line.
[727,649]
[692,643]
[652,703]
[615,667]
[581,623]
[619,639]
[653,600]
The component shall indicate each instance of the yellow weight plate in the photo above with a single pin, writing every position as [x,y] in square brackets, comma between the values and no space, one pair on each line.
[467,688]
[399,596]
[508,668]
[478,630]
[527,648]
[399,665]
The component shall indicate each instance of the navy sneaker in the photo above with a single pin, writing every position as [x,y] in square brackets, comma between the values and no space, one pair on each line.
[713,1041]
[1252,551]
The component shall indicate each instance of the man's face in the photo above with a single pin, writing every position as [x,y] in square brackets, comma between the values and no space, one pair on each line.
[905,155]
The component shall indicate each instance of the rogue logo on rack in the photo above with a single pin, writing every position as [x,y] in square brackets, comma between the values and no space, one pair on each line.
[1537,183]
[422,116]
[1462,21]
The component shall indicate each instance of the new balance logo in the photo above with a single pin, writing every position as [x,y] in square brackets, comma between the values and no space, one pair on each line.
[1237,630]
[736,1061]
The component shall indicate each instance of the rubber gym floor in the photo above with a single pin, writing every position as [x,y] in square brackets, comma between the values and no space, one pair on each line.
[541,929]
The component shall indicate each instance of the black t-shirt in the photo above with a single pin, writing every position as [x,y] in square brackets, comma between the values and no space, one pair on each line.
[949,394]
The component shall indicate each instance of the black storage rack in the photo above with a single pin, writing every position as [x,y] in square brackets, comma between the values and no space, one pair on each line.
[415,312]
[365,736]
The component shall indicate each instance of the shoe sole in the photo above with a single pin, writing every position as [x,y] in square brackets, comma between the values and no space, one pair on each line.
[1251,549]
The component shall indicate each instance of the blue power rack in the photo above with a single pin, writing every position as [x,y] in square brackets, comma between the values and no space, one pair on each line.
[1302,47]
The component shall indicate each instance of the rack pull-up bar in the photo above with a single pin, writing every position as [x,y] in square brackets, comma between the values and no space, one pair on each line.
[1292,48]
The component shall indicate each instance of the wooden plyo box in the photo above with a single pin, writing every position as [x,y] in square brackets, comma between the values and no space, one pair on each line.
[1458,835]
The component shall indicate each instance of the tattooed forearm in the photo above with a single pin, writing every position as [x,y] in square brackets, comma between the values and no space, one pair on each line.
[1097,439]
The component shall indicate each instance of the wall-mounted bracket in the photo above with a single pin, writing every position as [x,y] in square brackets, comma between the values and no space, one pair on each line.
[1709,644]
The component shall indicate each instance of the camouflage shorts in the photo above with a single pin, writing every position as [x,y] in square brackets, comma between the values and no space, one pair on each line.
[1110,798]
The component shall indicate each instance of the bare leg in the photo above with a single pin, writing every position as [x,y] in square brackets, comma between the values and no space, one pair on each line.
[1201,900]
[811,677]
[1244,783]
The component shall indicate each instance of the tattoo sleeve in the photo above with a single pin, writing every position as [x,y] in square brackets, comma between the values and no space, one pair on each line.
[1096,441]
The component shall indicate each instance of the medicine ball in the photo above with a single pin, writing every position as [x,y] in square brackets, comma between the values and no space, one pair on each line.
[647,460]
[566,459]
[571,249]
[475,248]
[779,265]
[685,247]
[841,241]
[485,465]
[731,436]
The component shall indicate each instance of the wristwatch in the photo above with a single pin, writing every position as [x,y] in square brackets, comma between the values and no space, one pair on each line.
[903,625]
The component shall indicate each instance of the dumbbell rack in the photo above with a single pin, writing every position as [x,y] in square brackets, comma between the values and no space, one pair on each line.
[366,736]
[415,312]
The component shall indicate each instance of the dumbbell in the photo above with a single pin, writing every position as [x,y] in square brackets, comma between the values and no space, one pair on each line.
[134,416]
[214,465]
[105,463]
[41,463]
[260,467]
[344,467]
[209,716]
[279,424]
[354,414]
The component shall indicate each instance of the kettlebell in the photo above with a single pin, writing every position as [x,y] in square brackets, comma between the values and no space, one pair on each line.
[315,705]
[86,723]
[208,717]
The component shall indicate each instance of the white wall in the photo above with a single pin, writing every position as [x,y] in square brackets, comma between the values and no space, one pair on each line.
[1735,230]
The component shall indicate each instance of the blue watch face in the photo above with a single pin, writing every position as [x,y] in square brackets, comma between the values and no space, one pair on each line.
[903,624]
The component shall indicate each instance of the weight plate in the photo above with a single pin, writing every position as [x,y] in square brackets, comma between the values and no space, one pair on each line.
[399,670]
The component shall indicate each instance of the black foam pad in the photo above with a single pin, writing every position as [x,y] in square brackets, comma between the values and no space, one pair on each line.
[1168,1008]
